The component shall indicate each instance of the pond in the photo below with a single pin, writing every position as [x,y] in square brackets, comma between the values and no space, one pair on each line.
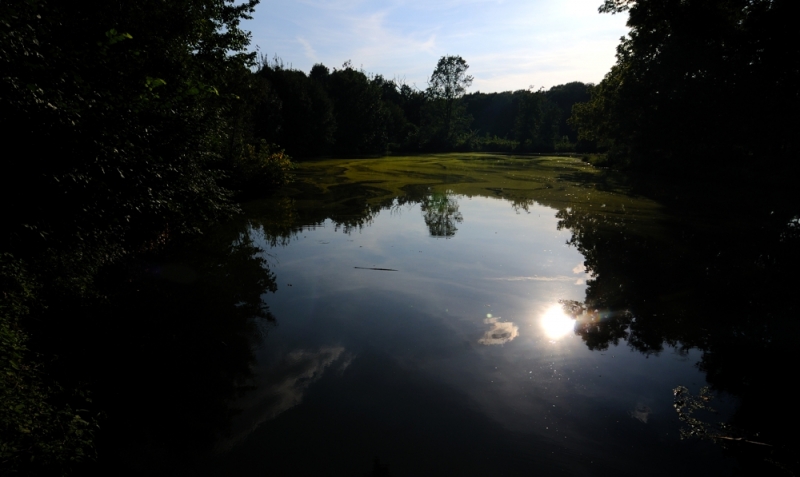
[470,315]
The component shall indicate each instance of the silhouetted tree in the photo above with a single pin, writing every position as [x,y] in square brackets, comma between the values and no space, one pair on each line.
[717,283]
[361,118]
[493,113]
[319,72]
[446,115]
[701,84]
[529,118]
[303,121]
[564,96]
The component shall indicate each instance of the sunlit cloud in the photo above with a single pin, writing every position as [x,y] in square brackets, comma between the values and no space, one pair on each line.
[580,269]
[499,333]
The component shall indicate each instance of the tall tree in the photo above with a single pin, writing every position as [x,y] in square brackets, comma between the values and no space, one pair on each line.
[447,85]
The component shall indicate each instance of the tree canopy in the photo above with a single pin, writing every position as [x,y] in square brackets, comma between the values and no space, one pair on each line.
[447,84]
[698,83]
[117,119]
[114,117]
[449,81]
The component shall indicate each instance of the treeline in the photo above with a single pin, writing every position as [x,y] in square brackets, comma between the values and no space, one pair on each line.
[347,111]
[699,88]
[532,121]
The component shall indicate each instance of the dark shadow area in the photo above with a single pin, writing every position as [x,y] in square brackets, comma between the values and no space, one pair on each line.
[164,349]
[719,280]
[415,425]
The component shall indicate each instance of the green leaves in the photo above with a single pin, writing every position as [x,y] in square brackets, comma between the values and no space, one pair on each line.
[114,36]
[449,79]
[153,83]
[34,431]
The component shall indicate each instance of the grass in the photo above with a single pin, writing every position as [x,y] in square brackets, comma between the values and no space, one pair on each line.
[560,182]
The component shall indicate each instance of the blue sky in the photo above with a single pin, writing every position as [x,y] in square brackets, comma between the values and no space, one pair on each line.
[509,44]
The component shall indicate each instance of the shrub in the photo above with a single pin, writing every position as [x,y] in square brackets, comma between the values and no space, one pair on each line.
[38,432]
[564,145]
[262,168]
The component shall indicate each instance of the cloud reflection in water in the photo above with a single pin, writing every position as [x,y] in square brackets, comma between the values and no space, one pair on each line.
[499,333]
[281,387]
[641,413]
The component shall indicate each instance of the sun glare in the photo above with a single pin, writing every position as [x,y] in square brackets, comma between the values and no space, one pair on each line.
[556,323]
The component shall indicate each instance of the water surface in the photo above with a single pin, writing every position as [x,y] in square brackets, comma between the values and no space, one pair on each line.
[421,324]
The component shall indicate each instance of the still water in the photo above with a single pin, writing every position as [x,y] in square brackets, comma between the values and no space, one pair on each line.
[462,315]
[421,329]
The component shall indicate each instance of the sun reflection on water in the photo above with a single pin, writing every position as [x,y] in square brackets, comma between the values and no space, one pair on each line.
[556,323]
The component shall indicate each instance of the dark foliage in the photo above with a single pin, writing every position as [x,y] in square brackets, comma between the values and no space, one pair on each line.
[117,121]
[361,118]
[535,121]
[349,112]
[715,280]
[298,113]
[700,84]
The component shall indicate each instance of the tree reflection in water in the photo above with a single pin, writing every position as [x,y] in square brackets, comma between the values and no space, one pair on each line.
[724,288]
[349,208]
[440,211]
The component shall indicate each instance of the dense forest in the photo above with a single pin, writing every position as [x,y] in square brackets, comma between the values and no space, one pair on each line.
[130,126]
[347,111]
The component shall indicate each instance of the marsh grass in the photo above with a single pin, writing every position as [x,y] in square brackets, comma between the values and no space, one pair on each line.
[347,187]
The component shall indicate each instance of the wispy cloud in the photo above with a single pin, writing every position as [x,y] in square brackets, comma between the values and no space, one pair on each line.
[509,44]
[308,49]
[535,278]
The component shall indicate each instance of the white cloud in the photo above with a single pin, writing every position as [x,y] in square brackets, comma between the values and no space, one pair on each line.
[499,333]
[509,44]
[309,50]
